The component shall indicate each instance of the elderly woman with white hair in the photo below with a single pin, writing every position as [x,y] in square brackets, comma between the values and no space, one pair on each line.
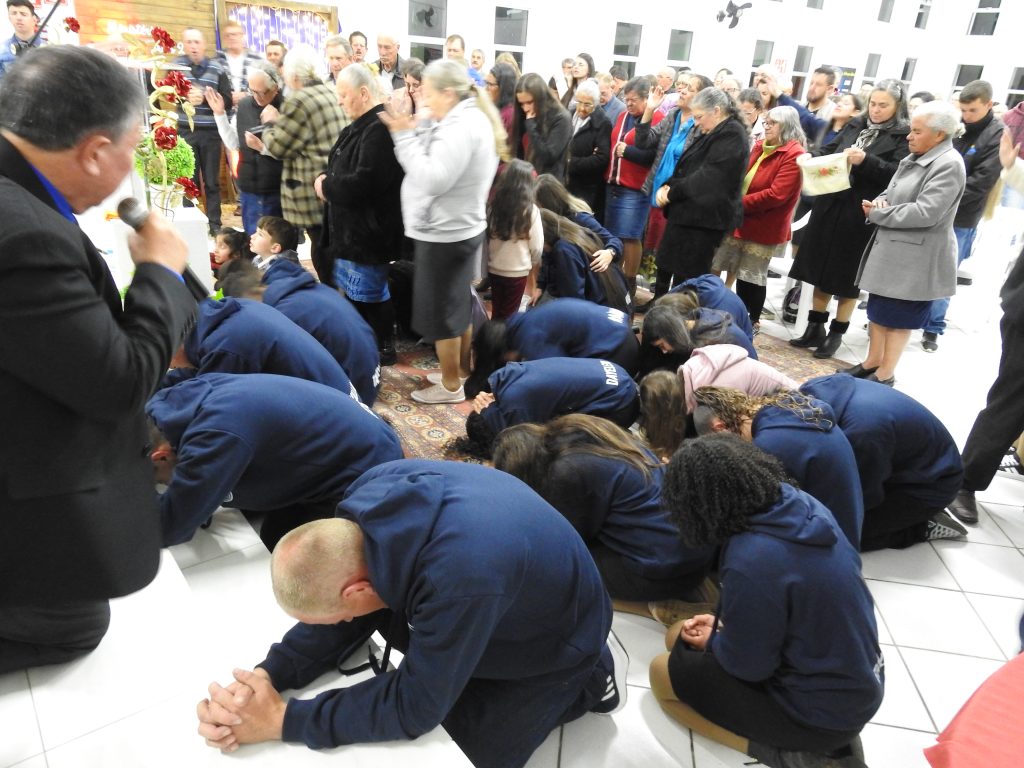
[912,260]
[301,135]
[589,148]
[771,190]
[362,206]
[449,165]
[702,198]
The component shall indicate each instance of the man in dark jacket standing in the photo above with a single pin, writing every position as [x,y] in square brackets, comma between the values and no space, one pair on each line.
[79,516]
[979,147]
[259,175]
[488,591]
[361,190]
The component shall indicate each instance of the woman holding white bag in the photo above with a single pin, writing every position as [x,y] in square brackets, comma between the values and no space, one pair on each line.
[835,237]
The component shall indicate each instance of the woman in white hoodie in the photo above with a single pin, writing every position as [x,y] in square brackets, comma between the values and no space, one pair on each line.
[449,165]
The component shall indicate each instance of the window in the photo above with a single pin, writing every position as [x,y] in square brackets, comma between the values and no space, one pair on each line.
[679,44]
[1016,94]
[965,73]
[629,67]
[885,11]
[803,58]
[426,52]
[922,14]
[510,26]
[762,52]
[815,4]
[871,68]
[627,39]
[428,19]
[517,55]
[984,20]
[627,43]
[908,70]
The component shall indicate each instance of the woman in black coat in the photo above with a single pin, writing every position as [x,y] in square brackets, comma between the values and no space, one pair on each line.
[589,149]
[361,189]
[543,127]
[702,199]
[836,236]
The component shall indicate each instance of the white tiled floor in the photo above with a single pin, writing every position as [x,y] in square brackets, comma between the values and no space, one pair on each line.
[947,613]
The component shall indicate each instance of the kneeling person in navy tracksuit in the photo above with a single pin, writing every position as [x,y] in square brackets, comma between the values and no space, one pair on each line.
[487,590]
[909,465]
[802,433]
[788,667]
[244,336]
[319,310]
[539,390]
[260,443]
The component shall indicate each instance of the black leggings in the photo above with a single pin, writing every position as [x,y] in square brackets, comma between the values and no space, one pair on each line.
[746,709]
[753,297]
[896,523]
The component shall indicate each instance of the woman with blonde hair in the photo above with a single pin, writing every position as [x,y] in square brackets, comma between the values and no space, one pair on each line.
[449,167]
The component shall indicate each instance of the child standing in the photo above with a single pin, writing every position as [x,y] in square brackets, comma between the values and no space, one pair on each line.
[515,239]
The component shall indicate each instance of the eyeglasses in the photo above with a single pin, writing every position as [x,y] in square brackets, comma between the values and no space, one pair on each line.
[260,94]
[768,123]
[584,105]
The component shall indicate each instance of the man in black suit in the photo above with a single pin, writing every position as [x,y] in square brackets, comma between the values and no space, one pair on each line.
[79,521]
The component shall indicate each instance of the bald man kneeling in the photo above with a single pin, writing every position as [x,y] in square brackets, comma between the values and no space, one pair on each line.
[487,590]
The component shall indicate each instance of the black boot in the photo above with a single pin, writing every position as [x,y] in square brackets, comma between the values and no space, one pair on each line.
[815,331]
[830,345]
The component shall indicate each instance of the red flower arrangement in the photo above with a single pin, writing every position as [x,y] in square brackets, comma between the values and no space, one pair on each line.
[178,82]
[188,187]
[71,24]
[165,136]
[162,38]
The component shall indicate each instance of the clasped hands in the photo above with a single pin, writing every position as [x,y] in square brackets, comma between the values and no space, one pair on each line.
[697,631]
[247,711]
[869,205]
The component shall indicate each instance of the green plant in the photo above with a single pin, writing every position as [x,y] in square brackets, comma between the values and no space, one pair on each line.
[158,166]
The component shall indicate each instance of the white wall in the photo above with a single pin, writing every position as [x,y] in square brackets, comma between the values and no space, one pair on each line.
[843,33]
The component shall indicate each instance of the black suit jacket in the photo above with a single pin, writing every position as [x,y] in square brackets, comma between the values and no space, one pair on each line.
[78,509]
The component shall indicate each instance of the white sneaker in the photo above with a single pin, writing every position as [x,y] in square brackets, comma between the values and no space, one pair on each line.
[435,378]
[614,698]
[437,394]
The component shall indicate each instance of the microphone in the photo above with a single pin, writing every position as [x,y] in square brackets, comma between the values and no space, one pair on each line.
[135,215]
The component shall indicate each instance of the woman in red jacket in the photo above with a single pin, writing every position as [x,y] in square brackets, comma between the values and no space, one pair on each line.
[771,190]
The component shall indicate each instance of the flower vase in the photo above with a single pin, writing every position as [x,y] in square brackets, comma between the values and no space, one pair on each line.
[166,199]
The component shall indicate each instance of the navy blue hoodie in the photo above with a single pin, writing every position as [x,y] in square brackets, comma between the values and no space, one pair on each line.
[714,294]
[797,617]
[261,442]
[492,581]
[817,455]
[540,390]
[567,328]
[243,336]
[899,444]
[611,502]
[565,273]
[329,318]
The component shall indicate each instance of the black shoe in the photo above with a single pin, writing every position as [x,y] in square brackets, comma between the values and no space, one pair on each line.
[929,341]
[859,371]
[829,346]
[812,336]
[890,382]
[964,507]
[388,355]
[964,280]
[1010,466]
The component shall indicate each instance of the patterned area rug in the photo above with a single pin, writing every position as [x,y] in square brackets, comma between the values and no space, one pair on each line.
[426,430]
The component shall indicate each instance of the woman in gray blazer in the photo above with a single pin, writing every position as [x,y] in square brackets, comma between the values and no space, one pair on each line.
[912,259]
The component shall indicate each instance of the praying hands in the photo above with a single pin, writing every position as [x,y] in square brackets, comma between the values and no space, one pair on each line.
[247,711]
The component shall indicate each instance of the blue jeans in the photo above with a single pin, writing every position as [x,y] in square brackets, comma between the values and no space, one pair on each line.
[964,242]
[255,207]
